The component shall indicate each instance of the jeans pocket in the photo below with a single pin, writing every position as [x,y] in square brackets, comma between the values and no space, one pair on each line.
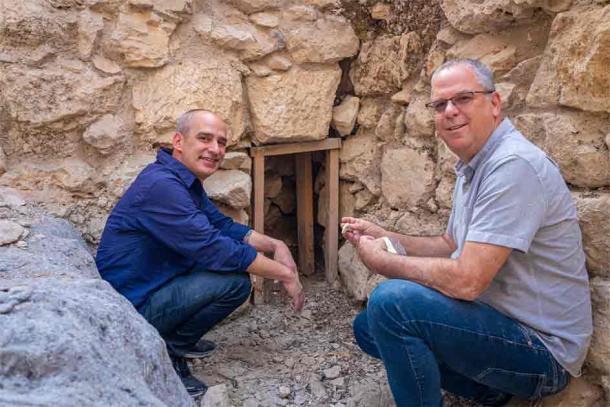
[524,385]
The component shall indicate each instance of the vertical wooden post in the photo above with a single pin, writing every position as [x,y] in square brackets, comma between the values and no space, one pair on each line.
[305,212]
[332,222]
[259,217]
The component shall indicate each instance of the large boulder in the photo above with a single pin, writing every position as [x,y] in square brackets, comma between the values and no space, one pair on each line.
[574,70]
[293,106]
[67,337]
[209,83]
[231,187]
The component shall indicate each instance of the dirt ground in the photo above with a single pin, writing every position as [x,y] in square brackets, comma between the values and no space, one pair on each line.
[270,356]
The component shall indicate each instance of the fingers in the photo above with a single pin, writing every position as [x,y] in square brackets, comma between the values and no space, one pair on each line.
[298,301]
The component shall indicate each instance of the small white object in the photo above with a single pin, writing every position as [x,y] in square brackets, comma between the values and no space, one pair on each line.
[345,227]
[389,246]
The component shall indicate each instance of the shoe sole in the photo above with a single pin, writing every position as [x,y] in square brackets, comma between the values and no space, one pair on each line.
[197,355]
[196,395]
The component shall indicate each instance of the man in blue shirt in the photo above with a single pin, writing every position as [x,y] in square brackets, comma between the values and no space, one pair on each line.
[176,257]
[499,305]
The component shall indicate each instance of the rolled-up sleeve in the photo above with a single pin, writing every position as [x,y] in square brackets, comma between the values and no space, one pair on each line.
[169,214]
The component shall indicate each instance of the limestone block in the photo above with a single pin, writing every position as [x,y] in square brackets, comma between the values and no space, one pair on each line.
[574,70]
[473,16]
[231,187]
[254,6]
[231,30]
[412,223]
[211,83]
[577,143]
[216,396]
[62,91]
[175,10]
[359,161]
[345,114]
[403,97]
[448,36]
[278,62]
[323,4]
[238,215]
[381,11]
[353,272]
[407,177]
[33,30]
[495,53]
[10,198]
[74,175]
[286,199]
[383,64]
[444,192]
[3,164]
[363,199]
[506,91]
[593,215]
[599,353]
[141,38]
[89,25]
[235,160]
[327,40]
[300,12]
[273,185]
[293,106]
[391,123]
[266,19]
[10,231]
[105,65]
[419,120]
[260,70]
[434,59]
[371,109]
[106,133]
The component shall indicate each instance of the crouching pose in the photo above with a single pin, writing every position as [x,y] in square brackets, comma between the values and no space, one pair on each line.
[499,305]
[182,263]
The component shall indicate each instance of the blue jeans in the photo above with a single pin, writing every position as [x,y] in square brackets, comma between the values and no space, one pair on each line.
[188,306]
[428,341]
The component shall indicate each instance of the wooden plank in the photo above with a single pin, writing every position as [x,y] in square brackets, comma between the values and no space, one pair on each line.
[332,222]
[258,210]
[305,212]
[295,148]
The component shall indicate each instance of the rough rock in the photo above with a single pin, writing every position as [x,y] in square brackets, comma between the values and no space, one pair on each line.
[578,393]
[89,25]
[231,187]
[582,35]
[235,160]
[419,120]
[10,198]
[345,114]
[371,110]
[106,133]
[10,232]
[300,12]
[358,161]
[346,203]
[278,62]
[407,177]
[474,17]
[105,65]
[391,124]
[490,50]
[253,6]
[141,38]
[273,185]
[74,175]
[238,215]
[210,83]
[353,272]
[599,354]
[265,19]
[323,4]
[286,199]
[593,210]
[420,224]
[383,64]
[381,11]
[3,165]
[371,393]
[327,40]
[216,396]
[293,106]
[68,337]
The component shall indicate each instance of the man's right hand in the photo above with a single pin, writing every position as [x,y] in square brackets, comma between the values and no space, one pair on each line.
[295,291]
[360,227]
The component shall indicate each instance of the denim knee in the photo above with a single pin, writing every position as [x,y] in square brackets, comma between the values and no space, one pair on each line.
[242,287]
[400,297]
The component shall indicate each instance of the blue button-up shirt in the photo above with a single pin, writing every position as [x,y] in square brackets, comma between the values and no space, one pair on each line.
[164,226]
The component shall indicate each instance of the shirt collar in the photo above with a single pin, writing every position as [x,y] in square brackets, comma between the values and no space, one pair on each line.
[164,156]
[468,169]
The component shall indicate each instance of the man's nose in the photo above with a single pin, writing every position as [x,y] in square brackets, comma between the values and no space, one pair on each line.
[451,109]
[214,147]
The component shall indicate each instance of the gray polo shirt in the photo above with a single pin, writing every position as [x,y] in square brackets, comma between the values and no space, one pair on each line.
[511,194]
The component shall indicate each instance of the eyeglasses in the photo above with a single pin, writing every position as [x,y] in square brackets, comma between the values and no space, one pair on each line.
[460,99]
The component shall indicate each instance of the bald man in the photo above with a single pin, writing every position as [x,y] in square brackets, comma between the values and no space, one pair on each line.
[176,257]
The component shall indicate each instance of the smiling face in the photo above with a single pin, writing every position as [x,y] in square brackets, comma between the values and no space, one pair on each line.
[466,128]
[203,148]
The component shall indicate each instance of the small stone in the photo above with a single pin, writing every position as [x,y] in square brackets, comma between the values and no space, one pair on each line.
[10,232]
[22,244]
[338,382]
[381,11]
[284,392]
[332,372]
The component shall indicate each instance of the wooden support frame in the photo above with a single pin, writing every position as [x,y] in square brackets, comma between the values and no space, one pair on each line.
[304,180]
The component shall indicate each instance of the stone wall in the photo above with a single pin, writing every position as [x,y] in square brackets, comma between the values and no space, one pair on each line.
[89,89]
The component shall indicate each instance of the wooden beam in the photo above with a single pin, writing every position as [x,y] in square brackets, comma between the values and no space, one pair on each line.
[296,148]
[258,209]
[305,212]
[332,222]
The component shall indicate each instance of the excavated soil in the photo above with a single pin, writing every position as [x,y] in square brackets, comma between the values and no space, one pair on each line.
[269,355]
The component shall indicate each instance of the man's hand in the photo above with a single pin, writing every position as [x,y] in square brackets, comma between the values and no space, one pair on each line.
[295,291]
[371,251]
[283,255]
[359,227]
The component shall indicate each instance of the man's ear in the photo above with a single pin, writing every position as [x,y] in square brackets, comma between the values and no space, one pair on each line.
[496,102]
[177,140]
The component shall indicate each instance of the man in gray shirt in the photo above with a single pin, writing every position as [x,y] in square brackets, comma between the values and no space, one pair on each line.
[499,305]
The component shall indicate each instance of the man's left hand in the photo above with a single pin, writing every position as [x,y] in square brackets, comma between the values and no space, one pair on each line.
[371,251]
[282,255]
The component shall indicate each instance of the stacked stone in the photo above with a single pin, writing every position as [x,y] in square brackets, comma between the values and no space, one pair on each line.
[550,62]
